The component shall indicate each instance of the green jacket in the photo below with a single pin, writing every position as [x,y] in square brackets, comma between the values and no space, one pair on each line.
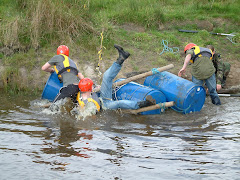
[222,69]
[202,67]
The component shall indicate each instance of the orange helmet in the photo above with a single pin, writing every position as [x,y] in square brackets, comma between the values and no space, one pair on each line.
[85,85]
[63,50]
[189,46]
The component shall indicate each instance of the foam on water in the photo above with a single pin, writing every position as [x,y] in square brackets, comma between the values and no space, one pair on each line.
[66,106]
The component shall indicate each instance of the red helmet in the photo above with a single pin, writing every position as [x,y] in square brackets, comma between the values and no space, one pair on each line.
[63,50]
[85,85]
[189,46]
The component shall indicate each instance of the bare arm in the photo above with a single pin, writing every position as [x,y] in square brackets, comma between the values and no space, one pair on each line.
[47,67]
[80,76]
[183,70]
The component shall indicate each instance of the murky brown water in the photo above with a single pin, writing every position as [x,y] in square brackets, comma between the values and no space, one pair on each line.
[38,145]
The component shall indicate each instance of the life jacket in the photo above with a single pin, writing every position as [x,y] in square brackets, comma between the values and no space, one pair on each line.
[66,66]
[199,52]
[82,104]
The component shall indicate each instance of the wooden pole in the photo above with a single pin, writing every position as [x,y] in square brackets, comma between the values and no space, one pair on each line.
[149,108]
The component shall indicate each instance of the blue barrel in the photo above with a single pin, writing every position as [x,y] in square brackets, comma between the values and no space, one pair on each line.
[138,92]
[52,87]
[188,97]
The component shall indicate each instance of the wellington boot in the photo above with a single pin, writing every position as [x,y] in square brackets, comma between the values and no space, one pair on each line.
[215,100]
[123,55]
[148,102]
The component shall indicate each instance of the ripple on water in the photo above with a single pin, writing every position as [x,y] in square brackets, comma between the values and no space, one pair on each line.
[112,145]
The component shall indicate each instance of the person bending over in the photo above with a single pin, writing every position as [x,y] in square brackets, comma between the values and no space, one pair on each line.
[202,69]
[67,72]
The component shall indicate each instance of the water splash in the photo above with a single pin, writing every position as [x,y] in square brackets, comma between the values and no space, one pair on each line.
[81,113]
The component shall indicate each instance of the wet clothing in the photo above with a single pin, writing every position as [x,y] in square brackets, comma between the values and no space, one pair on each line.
[211,84]
[67,91]
[94,99]
[203,70]
[222,69]
[107,91]
[67,77]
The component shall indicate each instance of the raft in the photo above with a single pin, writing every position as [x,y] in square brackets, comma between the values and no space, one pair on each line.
[163,87]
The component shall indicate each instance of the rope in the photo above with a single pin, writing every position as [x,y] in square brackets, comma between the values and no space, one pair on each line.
[155,71]
[168,49]
[100,55]
[182,110]
[162,106]
[117,88]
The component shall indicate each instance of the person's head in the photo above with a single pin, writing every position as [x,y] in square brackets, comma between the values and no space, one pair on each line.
[189,46]
[85,85]
[63,49]
[211,48]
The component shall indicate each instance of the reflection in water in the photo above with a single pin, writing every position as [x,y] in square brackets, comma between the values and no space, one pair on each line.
[112,145]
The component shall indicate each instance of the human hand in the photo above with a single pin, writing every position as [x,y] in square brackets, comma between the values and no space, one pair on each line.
[97,88]
[219,86]
[181,72]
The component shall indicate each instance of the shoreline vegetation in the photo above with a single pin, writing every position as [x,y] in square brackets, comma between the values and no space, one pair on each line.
[31,31]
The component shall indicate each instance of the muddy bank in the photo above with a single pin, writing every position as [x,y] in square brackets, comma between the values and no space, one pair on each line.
[36,79]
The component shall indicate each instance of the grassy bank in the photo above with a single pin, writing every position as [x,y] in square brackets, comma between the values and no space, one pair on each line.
[31,30]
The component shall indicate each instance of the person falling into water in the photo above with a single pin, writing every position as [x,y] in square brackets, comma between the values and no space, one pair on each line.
[106,91]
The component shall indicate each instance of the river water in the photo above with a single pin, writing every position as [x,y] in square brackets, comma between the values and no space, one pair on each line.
[36,145]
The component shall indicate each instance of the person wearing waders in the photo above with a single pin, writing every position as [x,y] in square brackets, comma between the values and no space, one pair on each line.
[67,72]
[222,68]
[106,90]
[202,69]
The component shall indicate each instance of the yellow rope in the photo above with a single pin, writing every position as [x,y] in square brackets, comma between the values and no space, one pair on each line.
[100,54]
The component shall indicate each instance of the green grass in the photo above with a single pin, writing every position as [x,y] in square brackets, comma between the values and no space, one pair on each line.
[33,29]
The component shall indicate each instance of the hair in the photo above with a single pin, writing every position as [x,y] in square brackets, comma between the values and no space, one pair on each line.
[210,47]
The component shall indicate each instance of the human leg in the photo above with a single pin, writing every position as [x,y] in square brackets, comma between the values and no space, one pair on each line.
[197,81]
[68,91]
[123,104]
[211,84]
[106,87]
[129,104]
[111,73]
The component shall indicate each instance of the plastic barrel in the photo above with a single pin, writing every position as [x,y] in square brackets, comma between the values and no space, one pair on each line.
[138,92]
[188,97]
[52,87]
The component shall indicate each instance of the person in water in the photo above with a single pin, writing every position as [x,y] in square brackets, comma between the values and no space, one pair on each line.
[67,72]
[106,90]
[202,69]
